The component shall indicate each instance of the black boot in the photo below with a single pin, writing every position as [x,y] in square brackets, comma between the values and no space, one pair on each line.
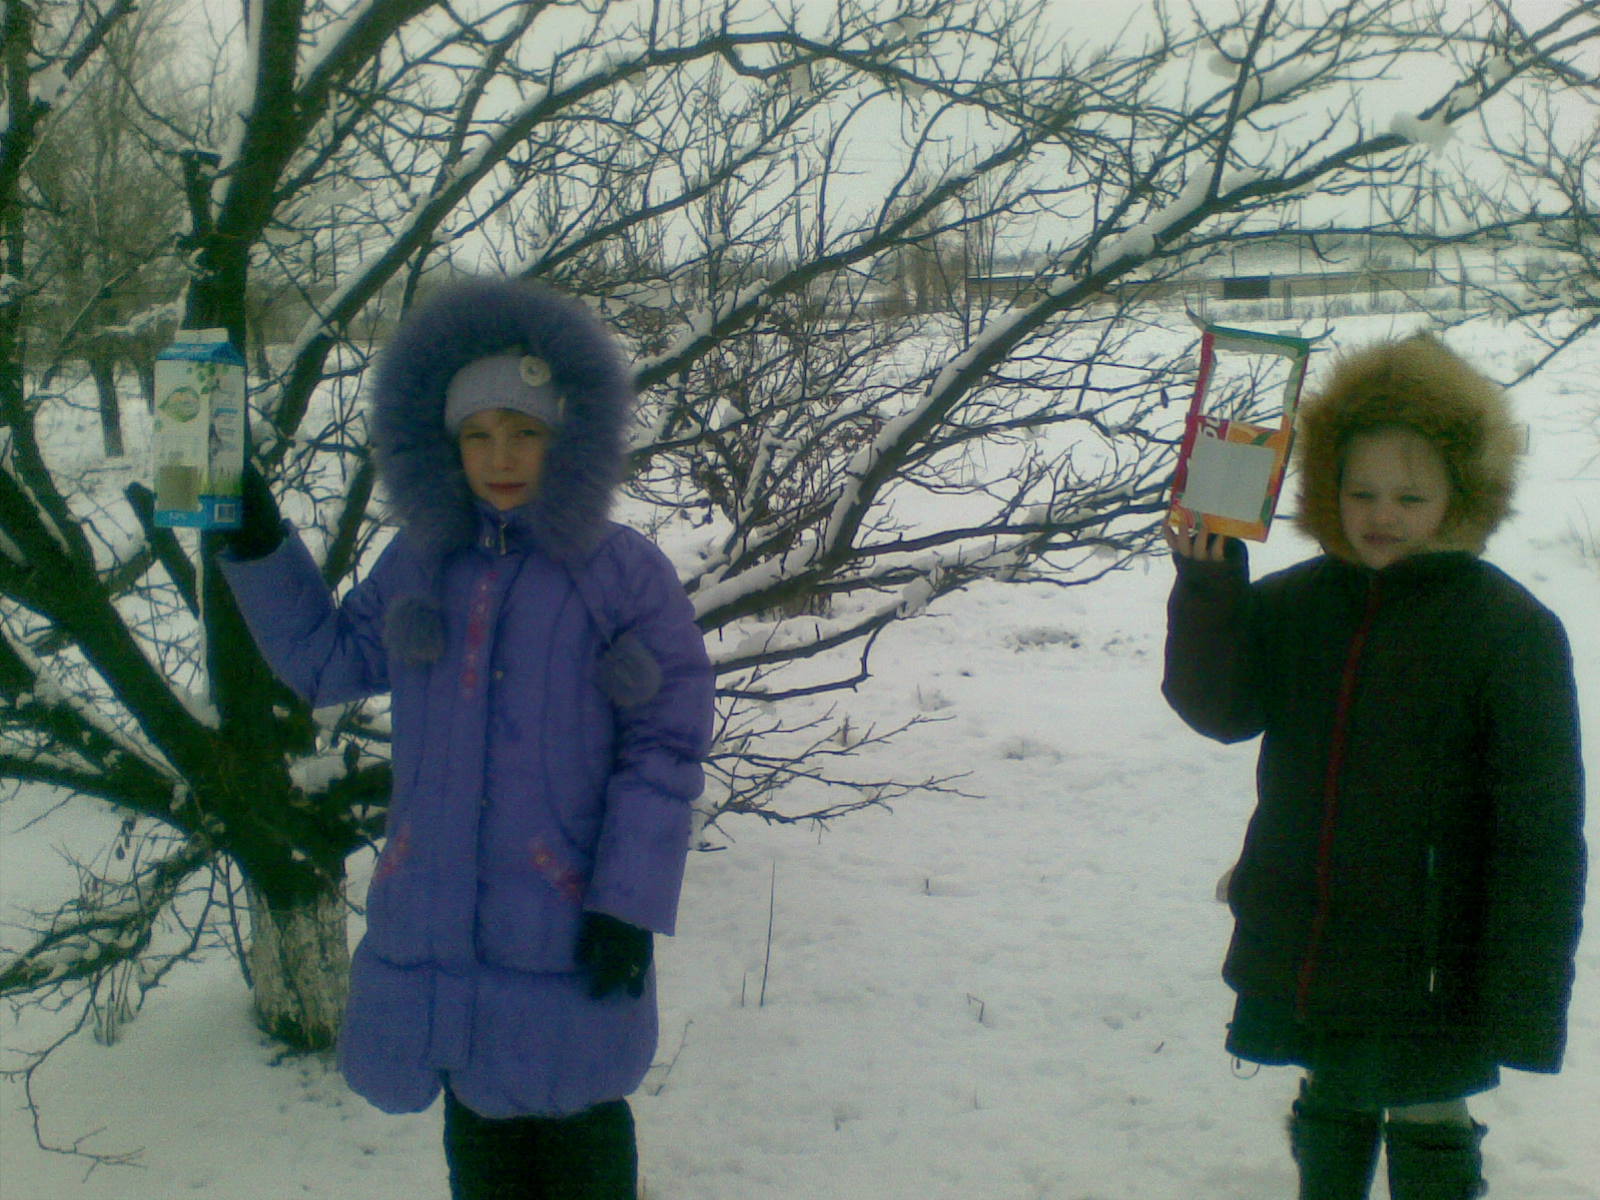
[1336,1150]
[1435,1162]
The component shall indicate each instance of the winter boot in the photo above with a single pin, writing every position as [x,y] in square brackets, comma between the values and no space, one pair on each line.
[1336,1150]
[591,1155]
[1429,1161]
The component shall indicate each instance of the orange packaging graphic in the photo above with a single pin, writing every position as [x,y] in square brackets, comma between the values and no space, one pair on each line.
[1230,471]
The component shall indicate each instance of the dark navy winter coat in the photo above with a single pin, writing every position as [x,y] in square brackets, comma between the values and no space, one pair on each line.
[1408,900]
[1415,864]
[535,775]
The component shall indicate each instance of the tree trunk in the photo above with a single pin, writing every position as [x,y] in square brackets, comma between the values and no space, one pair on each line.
[145,366]
[105,381]
[300,965]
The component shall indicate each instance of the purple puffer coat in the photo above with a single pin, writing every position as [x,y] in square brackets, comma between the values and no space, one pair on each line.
[533,779]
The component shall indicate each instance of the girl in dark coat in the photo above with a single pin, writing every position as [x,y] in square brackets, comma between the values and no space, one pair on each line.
[1407,899]
[551,702]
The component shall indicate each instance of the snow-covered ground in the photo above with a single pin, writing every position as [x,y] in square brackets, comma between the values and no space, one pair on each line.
[1008,996]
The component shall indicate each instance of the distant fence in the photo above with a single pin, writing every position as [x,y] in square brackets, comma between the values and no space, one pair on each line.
[1196,291]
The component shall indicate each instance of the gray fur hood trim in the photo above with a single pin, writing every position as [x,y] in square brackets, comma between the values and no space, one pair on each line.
[417,459]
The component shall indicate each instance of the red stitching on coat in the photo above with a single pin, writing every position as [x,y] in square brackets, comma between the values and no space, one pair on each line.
[1330,798]
[560,876]
[477,629]
[395,853]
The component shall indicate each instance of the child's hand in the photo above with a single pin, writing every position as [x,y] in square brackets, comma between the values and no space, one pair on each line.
[261,531]
[614,955]
[1196,544]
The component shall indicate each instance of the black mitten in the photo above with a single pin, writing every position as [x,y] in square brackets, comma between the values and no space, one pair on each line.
[613,954]
[260,529]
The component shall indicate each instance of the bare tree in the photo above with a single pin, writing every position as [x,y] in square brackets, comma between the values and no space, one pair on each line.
[686,165]
[105,270]
[1543,210]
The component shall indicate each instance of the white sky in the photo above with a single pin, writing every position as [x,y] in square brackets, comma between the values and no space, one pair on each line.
[875,160]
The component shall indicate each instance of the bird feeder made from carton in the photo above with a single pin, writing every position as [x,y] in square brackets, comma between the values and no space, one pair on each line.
[1230,471]
[197,444]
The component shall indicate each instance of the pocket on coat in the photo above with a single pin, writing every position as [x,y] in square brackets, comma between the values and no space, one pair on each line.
[397,917]
[529,908]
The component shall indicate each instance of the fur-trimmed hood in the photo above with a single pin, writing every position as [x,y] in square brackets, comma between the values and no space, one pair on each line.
[1420,384]
[418,462]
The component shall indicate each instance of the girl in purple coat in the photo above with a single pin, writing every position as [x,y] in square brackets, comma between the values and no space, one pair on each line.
[551,705]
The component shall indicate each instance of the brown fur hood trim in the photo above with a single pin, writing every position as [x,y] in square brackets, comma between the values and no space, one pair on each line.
[1421,384]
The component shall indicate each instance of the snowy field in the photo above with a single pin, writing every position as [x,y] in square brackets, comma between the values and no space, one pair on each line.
[992,998]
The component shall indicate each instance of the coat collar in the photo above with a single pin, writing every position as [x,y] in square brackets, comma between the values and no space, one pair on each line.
[514,531]
[1413,571]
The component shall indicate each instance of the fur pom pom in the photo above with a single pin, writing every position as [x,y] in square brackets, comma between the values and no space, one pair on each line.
[629,673]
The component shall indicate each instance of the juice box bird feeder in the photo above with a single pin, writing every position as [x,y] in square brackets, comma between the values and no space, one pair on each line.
[1230,471]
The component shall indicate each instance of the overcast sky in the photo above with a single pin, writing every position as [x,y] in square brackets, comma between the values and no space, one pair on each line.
[875,161]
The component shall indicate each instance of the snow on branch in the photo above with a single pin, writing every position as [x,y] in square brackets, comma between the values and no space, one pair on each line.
[38,699]
[97,931]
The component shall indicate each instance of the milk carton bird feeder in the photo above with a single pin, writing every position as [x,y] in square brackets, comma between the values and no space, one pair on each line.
[197,445]
[1230,471]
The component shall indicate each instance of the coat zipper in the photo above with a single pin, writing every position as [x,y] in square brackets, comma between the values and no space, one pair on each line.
[1330,798]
